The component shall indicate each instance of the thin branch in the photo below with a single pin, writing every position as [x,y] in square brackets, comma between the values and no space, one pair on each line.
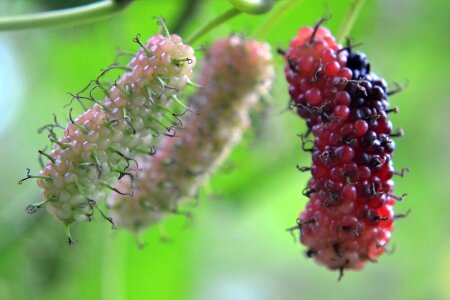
[64,17]
[349,19]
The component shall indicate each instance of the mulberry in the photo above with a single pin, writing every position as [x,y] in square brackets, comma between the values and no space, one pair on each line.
[349,217]
[316,72]
[233,76]
[100,144]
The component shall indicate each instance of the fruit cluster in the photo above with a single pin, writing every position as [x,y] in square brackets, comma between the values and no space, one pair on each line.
[349,217]
[233,76]
[100,144]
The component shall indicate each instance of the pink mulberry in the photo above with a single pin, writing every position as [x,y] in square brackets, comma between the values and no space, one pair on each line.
[233,76]
[100,144]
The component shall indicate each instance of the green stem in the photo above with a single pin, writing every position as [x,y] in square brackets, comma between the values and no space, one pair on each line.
[275,18]
[187,13]
[227,15]
[349,20]
[76,15]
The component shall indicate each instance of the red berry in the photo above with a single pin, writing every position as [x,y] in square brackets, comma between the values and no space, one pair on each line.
[341,112]
[332,68]
[349,218]
[313,96]
[345,154]
[342,98]
[312,64]
[360,127]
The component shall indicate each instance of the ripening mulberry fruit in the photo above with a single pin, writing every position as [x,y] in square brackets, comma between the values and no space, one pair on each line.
[100,144]
[349,217]
[233,76]
[316,72]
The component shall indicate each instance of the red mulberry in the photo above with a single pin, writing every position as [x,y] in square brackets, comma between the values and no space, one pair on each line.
[349,218]
[316,72]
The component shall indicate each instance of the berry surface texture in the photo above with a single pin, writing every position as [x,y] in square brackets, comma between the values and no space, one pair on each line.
[99,145]
[349,217]
[234,74]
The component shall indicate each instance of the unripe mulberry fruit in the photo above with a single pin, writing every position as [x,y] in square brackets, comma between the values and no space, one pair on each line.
[349,217]
[99,145]
[234,74]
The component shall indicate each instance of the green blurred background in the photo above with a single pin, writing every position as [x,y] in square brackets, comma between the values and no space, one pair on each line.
[236,247]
